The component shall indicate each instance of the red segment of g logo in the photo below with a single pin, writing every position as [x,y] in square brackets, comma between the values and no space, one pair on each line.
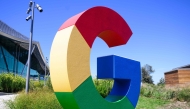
[70,57]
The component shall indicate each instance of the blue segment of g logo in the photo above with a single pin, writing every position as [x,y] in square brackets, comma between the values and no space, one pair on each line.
[126,74]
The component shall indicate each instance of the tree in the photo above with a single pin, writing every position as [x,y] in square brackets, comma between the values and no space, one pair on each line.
[161,82]
[146,71]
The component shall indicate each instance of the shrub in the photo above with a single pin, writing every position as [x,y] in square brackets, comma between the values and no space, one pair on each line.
[161,92]
[48,83]
[161,82]
[103,86]
[11,83]
[43,98]
[184,94]
[39,97]
[35,85]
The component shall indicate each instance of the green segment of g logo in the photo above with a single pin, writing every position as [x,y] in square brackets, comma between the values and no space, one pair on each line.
[70,53]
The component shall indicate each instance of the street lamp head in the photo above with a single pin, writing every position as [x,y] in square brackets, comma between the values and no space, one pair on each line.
[39,7]
[28,11]
[28,18]
[30,4]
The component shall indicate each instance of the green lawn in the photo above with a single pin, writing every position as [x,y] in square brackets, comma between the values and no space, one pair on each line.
[150,103]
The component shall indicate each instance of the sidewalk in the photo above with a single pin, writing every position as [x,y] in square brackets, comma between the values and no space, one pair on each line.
[5,97]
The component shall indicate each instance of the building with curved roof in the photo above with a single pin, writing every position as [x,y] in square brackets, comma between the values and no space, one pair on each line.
[14,53]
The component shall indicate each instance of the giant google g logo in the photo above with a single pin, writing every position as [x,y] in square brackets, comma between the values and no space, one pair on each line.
[70,62]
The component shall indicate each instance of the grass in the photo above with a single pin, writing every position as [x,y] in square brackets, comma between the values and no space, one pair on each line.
[166,93]
[176,105]
[46,99]
[37,99]
[151,97]
[150,103]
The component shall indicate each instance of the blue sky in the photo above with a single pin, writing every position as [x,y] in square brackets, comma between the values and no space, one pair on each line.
[161,29]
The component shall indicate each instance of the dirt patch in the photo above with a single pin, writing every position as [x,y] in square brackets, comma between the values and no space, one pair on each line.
[176,105]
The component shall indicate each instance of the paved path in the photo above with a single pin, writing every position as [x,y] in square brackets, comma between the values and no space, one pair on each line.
[5,97]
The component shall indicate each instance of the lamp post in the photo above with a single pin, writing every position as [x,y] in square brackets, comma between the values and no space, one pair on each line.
[45,71]
[31,8]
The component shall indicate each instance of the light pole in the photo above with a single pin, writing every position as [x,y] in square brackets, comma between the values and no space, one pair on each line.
[45,71]
[31,8]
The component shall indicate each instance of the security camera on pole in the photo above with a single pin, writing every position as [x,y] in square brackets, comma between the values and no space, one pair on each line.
[31,8]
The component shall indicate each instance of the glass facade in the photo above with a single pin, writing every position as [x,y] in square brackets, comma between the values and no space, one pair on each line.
[14,53]
[9,62]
